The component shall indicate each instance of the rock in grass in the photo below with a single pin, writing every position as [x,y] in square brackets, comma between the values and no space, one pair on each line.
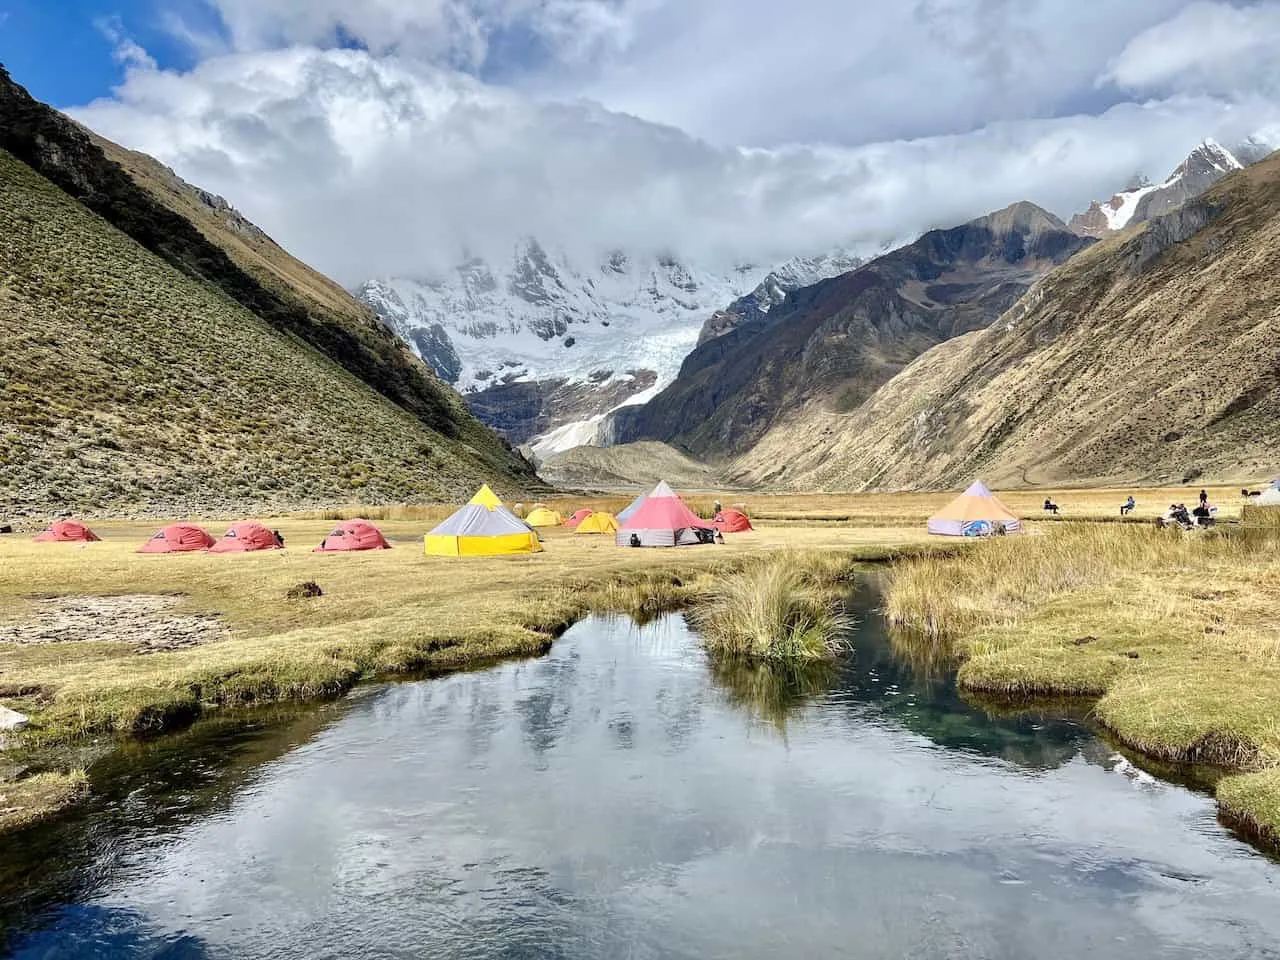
[12,719]
[304,591]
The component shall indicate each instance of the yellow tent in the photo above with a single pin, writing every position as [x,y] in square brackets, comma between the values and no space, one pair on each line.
[542,517]
[483,528]
[598,523]
[486,498]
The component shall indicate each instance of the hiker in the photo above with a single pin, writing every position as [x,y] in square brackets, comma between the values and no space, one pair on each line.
[1127,507]
[279,537]
[1204,498]
[1050,506]
[716,512]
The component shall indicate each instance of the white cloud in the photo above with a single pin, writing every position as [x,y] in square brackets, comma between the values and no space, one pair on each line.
[124,50]
[1209,47]
[369,165]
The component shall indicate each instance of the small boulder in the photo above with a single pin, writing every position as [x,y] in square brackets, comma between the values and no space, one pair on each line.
[304,591]
[11,719]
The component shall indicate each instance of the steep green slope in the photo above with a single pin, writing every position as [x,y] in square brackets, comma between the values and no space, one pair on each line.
[834,343]
[1152,357]
[203,240]
[126,385]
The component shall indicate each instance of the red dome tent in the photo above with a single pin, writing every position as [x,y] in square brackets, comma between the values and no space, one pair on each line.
[352,535]
[67,531]
[178,538]
[577,518]
[663,520]
[244,537]
[732,521]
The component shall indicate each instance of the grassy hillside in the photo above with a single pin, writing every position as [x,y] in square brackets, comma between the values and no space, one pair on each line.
[832,344]
[204,239]
[1152,357]
[126,385]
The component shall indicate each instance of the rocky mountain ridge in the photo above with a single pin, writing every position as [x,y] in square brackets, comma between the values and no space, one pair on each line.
[837,341]
[544,346]
[1149,358]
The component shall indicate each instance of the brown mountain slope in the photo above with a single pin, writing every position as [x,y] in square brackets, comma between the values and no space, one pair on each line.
[1154,356]
[127,386]
[627,467]
[206,240]
[833,343]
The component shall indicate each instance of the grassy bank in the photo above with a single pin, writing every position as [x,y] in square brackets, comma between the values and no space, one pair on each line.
[779,608]
[1177,635]
[380,613]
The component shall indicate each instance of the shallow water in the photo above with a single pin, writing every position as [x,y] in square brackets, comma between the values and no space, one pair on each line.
[621,798]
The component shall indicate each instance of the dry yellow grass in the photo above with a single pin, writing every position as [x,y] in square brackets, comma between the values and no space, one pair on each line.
[381,612]
[1178,634]
[862,509]
[778,608]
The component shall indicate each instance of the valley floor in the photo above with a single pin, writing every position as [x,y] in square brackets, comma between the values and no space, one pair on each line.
[1063,611]
[187,634]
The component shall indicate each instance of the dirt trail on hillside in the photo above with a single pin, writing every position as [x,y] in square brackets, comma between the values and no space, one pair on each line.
[144,620]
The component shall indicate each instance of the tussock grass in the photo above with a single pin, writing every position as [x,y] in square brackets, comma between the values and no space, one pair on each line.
[773,609]
[386,612]
[1177,634]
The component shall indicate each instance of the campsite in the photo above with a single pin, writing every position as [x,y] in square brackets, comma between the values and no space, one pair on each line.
[410,608]
[597,478]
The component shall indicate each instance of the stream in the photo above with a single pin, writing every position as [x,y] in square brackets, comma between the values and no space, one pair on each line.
[625,796]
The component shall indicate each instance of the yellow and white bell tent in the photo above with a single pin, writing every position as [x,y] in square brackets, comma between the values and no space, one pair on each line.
[483,528]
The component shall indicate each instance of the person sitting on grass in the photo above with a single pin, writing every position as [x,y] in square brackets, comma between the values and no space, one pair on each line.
[1127,507]
[1176,515]
[1050,506]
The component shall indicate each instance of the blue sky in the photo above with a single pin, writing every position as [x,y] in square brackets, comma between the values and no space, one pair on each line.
[55,49]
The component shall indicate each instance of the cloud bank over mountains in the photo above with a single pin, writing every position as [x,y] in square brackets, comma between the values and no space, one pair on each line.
[386,137]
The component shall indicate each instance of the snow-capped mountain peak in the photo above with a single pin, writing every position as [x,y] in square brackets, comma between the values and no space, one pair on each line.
[543,316]
[543,344]
[1208,163]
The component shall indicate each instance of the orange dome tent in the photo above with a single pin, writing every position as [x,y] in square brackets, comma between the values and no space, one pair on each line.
[577,518]
[178,538]
[245,537]
[732,521]
[353,535]
[67,531]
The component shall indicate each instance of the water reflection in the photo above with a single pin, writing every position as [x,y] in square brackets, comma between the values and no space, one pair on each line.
[624,796]
[772,692]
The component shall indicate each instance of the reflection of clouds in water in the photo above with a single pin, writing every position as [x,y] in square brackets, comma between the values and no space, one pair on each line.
[619,802]
[545,709]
